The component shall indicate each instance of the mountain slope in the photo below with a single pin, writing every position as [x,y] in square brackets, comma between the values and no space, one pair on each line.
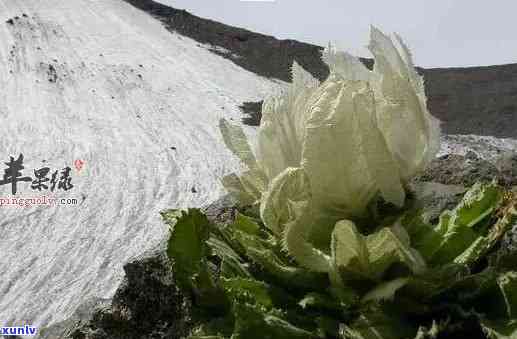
[105,83]
[474,100]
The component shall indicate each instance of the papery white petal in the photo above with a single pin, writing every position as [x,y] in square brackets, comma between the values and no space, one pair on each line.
[346,65]
[237,142]
[281,130]
[381,164]
[333,154]
[290,186]
[411,133]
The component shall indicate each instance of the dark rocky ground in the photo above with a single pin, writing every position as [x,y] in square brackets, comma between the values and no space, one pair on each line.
[147,304]
[454,169]
[253,112]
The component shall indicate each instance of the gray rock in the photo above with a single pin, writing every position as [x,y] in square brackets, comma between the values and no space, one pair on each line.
[146,305]
[454,169]
[221,211]
[435,197]
[466,170]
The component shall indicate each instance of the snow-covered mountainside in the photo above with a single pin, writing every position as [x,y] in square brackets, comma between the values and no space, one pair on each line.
[102,82]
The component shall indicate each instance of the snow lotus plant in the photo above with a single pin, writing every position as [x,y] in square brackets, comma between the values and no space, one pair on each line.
[325,151]
[318,259]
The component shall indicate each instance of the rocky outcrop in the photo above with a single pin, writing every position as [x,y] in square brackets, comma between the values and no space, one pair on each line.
[442,184]
[474,100]
[253,111]
[146,305]
[465,170]
[83,314]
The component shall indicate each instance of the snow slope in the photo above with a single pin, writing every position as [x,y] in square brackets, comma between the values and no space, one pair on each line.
[100,81]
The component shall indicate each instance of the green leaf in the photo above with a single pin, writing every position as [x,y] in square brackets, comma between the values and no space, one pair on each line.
[507,283]
[389,245]
[350,255]
[232,265]
[213,327]
[385,290]
[188,249]
[484,244]
[474,289]
[357,257]
[240,235]
[424,237]
[500,329]
[455,240]
[458,236]
[232,268]
[264,254]
[479,201]
[284,274]
[327,327]
[248,290]
[190,229]
[376,324]
[424,287]
[246,224]
[474,251]
[251,322]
